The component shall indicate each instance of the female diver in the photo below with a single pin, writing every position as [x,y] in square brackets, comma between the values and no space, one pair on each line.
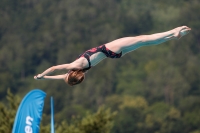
[114,49]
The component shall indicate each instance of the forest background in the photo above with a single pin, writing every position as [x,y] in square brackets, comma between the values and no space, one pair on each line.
[155,89]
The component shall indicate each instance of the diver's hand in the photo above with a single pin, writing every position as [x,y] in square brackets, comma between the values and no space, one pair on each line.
[39,76]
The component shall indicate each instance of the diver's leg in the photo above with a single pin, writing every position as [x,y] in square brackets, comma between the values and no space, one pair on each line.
[128,44]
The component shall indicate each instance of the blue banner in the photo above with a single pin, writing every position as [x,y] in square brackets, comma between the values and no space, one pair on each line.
[29,113]
[52,117]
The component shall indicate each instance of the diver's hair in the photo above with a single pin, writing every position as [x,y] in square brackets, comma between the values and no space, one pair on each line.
[75,77]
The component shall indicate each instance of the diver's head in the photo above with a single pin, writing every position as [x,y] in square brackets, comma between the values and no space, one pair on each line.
[75,77]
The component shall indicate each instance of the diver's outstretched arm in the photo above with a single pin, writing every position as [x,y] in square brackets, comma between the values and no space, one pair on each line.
[55,68]
[63,76]
[51,70]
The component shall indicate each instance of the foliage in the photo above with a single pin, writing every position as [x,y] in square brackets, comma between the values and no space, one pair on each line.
[154,89]
[8,111]
[99,122]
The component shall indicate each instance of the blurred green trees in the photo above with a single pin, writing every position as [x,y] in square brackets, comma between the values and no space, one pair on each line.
[99,122]
[154,89]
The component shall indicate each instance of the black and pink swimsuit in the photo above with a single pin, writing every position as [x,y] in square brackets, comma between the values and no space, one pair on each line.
[102,49]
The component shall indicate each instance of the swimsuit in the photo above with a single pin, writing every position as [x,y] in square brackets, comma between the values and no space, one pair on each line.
[102,49]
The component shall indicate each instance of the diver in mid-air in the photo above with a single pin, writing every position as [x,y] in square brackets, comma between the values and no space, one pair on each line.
[114,49]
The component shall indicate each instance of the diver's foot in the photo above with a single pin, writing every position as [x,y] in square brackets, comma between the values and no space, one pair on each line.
[181,31]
